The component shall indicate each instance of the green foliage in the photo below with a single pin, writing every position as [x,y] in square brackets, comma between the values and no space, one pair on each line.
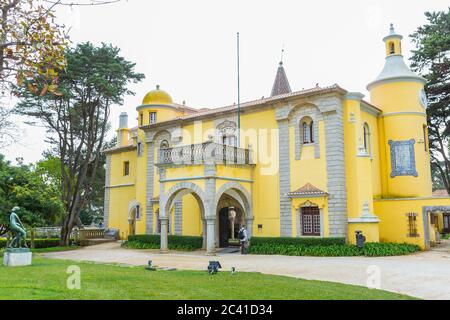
[333,250]
[25,186]
[38,243]
[183,243]
[432,60]
[307,242]
[96,79]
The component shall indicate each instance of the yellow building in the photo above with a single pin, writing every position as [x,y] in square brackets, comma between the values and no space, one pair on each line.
[321,162]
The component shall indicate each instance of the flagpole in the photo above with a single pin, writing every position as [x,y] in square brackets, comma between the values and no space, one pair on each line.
[239,94]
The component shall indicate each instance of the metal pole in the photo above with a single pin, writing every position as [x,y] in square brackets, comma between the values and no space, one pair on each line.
[239,95]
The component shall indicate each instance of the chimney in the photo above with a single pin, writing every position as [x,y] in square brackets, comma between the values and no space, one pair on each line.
[123,134]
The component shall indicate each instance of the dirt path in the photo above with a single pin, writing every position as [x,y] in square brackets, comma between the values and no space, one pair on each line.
[425,275]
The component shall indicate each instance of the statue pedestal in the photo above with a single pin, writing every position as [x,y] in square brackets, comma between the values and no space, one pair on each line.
[17,257]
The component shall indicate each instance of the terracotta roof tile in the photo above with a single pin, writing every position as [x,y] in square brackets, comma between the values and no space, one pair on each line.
[440,193]
[307,190]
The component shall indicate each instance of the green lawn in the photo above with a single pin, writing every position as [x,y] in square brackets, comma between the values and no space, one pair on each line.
[46,279]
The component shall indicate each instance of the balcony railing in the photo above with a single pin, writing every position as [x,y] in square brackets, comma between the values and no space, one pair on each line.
[204,153]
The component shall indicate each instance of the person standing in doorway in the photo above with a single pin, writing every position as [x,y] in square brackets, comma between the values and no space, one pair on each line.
[243,238]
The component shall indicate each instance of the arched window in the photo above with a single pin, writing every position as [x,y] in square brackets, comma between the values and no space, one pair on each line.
[307,128]
[391,48]
[366,130]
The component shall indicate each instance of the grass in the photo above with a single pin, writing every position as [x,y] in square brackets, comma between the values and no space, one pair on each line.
[46,279]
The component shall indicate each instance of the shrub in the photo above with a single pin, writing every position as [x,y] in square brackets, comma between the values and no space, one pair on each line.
[307,242]
[38,243]
[369,250]
[185,243]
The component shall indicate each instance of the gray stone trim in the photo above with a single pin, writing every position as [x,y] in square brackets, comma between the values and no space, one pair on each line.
[106,202]
[239,192]
[210,170]
[404,113]
[370,109]
[178,217]
[285,179]
[165,200]
[206,177]
[119,186]
[149,192]
[336,180]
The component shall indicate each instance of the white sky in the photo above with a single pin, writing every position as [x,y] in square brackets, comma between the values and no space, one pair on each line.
[189,47]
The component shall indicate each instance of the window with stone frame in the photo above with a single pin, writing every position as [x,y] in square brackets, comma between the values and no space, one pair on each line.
[126,168]
[152,117]
[310,217]
[307,130]
[366,133]
[227,131]
[412,224]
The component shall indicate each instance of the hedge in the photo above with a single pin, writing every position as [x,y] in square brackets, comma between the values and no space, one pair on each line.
[38,243]
[146,241]
[307,242]
[369,250]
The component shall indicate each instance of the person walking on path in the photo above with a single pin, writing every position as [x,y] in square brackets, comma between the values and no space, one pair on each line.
[243,238]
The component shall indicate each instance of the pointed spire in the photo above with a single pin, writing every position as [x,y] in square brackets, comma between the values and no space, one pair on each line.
[281,84]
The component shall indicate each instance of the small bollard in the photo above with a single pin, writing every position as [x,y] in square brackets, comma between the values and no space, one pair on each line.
[360,239]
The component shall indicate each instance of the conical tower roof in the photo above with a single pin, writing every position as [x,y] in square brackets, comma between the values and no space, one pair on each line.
[281,84]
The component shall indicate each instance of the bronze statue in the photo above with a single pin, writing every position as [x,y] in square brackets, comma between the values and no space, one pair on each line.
[18,230]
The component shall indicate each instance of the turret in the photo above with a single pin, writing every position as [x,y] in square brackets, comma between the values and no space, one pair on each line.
[400,94]
[123,133]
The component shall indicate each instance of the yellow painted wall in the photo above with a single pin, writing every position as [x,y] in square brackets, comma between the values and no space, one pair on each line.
[192,225]
[316,174]
[264,141]
[394,222]
[370,230]
[163,113]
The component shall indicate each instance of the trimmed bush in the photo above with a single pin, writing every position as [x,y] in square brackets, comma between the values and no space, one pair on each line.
[147,241]
[307,242]
[369,250]
[38,243]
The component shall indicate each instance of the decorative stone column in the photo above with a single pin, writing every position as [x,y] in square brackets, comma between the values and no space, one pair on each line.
[249,223]
[149,192]
[285,179]
[164,243]
[210,236]
[204,234]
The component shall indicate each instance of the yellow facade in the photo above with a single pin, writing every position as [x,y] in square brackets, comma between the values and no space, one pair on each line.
[321,162]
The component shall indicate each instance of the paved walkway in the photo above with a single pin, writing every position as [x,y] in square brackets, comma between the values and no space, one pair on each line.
[425,275]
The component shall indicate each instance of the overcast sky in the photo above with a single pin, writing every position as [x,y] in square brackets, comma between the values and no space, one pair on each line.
[189,47]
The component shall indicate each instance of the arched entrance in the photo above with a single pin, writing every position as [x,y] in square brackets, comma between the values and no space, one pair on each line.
[234,210]
[231,218]
[132,222]
[134,215]
[168,201]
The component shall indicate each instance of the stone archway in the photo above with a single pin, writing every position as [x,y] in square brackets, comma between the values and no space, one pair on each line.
[240,200]
[167,201]
[134,214]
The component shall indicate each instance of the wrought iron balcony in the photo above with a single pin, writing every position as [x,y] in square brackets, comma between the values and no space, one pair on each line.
[204,153]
